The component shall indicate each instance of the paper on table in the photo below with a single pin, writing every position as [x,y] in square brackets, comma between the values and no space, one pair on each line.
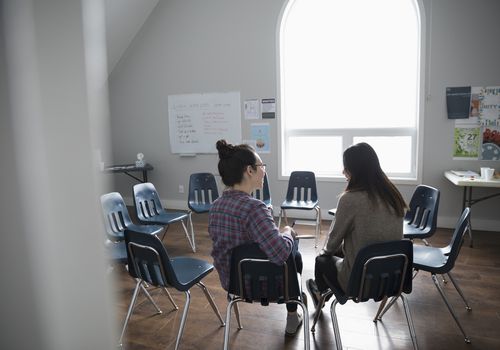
[465,173]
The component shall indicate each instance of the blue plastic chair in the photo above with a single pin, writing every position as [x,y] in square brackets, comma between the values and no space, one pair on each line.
[202,193]
[254,278]
[302,195]
[150,210]
[420,221]
[117,219]
[380,271]
[150,263]
[264,193]
[442,260]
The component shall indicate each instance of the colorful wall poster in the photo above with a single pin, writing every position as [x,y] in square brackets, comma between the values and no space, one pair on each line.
[467,142]
[260,133]
[489,106]
[490,149]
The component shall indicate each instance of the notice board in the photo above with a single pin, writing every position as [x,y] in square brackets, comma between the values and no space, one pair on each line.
[197,121]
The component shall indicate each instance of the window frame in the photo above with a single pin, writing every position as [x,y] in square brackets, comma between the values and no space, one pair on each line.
[347,134]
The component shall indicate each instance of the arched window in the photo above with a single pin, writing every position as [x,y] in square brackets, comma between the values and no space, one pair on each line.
[349,73]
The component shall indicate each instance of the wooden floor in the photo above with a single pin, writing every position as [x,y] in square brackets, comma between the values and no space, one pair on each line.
[477,272]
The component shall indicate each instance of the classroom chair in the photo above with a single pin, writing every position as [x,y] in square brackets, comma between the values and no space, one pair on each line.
[380,271]
[302,195]
[150,263]
[254,278]
[420,220]
[150,210]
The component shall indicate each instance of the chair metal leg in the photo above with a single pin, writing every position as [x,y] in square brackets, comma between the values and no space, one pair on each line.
[436,283]
[170,298]
[378,315]
[129,312]
[183,319]
[190,221]
[149,297]
[190,239]
[335,325]
[409,319]
[165,229]
[237,313]
[306,323]
[319,307]
[318,226]
[212,303]
[467,307]
[393,300]
[470,233]
[228,322]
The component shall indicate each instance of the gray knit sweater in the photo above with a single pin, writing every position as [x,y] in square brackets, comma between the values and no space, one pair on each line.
[358,222]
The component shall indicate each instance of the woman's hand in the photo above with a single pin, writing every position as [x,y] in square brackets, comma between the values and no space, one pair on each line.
[290,231]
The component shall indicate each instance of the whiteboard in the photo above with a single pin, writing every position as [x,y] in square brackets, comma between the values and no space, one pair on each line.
[198,121]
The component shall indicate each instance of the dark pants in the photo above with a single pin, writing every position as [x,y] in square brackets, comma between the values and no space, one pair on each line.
[292,307]
[325,273]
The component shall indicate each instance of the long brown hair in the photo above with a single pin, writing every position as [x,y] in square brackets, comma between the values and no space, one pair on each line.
[365,174]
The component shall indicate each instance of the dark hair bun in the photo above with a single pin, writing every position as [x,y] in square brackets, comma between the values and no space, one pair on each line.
[225,149]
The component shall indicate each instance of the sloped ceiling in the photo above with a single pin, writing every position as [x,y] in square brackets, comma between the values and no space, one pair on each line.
[124,18]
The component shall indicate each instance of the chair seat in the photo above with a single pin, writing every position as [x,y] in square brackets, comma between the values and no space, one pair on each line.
[299,205]
[190,271]
[200,208]
[430,259]
[165,218]
[147,229]
[116,252]
[412,232]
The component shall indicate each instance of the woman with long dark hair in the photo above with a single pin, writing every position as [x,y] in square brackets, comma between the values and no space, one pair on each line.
[237,218]
[370,210]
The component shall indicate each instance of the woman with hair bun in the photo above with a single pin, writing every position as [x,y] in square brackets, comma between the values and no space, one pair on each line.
[370,210]
[237,218]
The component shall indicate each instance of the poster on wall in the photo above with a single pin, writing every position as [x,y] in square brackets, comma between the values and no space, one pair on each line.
[490,149]
[260,134]
[489,105]
[467,142]
[478,135]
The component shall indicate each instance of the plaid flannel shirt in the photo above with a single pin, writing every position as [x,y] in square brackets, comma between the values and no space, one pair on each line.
[237,218]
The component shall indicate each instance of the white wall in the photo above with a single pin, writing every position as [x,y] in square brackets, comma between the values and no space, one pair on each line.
[191,46]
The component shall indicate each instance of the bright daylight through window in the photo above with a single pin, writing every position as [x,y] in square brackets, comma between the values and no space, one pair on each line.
[349,72]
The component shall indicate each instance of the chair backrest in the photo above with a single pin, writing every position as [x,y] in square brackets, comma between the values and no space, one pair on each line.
[381,270]
[147,201]
[302,187]
[254,277]
[264,194]
[453,249]
[116,216]
[148,259]
[202,191]
[424,205]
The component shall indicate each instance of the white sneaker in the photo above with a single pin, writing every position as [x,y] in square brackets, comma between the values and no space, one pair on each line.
[293,322]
